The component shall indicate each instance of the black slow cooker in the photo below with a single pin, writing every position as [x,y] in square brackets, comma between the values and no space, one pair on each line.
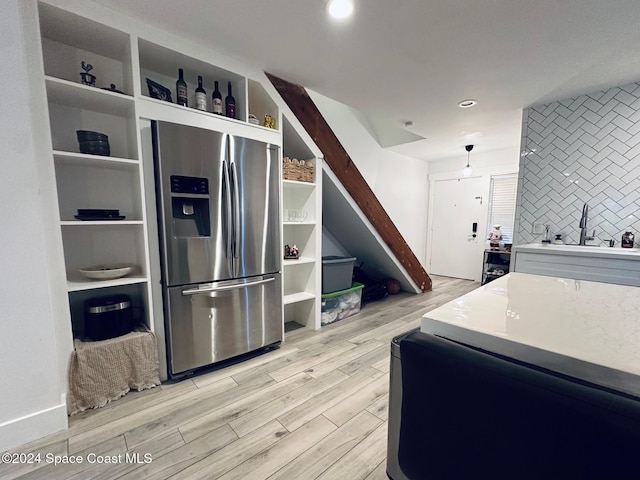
[108,317]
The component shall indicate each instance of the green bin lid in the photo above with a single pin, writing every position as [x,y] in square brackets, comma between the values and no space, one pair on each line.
[355,286]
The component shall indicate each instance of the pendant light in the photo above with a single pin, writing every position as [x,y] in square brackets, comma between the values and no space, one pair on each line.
[467,171]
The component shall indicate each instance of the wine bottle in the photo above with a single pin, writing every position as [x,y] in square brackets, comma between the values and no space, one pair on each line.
[201,96]
[230,103]
[181,89]
[216,101]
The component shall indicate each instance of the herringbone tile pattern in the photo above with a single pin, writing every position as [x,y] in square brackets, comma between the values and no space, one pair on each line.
[582,150]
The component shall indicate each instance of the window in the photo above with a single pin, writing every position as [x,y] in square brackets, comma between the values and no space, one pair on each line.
[502,205]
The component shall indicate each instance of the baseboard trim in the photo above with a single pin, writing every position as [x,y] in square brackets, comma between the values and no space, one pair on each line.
[32,427]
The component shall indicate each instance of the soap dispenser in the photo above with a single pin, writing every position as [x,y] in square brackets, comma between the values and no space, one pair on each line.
[627,240]
[547,235]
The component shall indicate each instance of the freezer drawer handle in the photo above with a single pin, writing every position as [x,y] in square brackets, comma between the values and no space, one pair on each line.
[195,291]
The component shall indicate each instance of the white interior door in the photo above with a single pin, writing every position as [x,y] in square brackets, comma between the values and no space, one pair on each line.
[457,206]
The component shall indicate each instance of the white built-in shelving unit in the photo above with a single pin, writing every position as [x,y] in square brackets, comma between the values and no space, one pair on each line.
[302,279]
[124,180]
[94,181]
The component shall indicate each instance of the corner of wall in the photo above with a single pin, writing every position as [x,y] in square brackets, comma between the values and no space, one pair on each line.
[31,427]
[523,148]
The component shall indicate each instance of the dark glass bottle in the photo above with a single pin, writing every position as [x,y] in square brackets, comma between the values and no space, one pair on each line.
[216,101]
[181,89]
[201,96]
[230,103]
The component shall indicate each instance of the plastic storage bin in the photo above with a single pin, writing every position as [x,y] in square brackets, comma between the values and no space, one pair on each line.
[337,273]
[340,305]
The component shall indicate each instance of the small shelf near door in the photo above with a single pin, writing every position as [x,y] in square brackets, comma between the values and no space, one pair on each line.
[495,264]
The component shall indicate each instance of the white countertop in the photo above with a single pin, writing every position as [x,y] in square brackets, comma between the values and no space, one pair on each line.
[589,330]
[580,250]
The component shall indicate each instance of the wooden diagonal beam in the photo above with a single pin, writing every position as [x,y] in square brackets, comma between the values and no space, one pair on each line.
[339,161]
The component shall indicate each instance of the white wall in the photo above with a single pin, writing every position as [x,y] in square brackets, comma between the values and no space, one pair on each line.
[331,245]
[399,182]
[485,164]
[32,401]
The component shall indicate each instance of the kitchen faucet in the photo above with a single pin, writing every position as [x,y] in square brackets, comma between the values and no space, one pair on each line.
[583,226]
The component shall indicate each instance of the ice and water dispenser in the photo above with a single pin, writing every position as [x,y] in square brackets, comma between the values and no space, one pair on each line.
[190,206]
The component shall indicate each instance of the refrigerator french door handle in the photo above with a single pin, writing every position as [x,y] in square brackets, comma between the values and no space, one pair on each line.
[236,209]
[226,187]
[196,291]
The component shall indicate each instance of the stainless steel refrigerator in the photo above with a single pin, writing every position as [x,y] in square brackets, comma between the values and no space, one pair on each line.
[218,216]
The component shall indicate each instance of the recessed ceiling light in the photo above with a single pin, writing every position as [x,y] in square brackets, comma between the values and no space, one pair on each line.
[340,9]
[468,103]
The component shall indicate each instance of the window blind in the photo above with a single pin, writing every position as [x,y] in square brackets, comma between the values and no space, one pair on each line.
[502,205]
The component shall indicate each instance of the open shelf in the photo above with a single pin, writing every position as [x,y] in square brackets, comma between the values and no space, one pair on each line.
[84,97]
[98,186]
[302,186]
[260,103]
[69,39]
[77,285]
[67,116]
[302,280]
[73,158]
[299,261]
[301,312]
[495,261]
[137,291]
[103,243]
[293,146]
[89,223]
[161,64]
[298,297]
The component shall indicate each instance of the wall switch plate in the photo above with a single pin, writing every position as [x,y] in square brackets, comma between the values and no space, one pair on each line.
[538,227]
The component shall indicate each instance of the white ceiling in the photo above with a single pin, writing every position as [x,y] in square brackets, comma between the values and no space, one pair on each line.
[414,60]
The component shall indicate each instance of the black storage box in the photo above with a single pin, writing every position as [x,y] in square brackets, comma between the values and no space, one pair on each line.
[108,317]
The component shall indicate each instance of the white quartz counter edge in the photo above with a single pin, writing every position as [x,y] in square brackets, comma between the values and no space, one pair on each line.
[580,251]
[494,317]
[597,374]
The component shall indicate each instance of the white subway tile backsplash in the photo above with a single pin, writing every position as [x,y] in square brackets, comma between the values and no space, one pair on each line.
[576,102]
[576,125]
[607,108]
[587,151]
[624,110]
[621,135]
[619,147]
[619,121]
[592,105]
[624,97]
[628,210]
[604,131]
[615,170]
[633,151]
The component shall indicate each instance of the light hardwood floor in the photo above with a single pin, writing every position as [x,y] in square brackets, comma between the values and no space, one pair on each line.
[316,408]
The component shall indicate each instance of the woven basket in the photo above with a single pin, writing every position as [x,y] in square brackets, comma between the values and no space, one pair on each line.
[298,170]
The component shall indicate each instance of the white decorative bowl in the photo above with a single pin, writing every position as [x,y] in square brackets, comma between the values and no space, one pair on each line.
[106,272]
